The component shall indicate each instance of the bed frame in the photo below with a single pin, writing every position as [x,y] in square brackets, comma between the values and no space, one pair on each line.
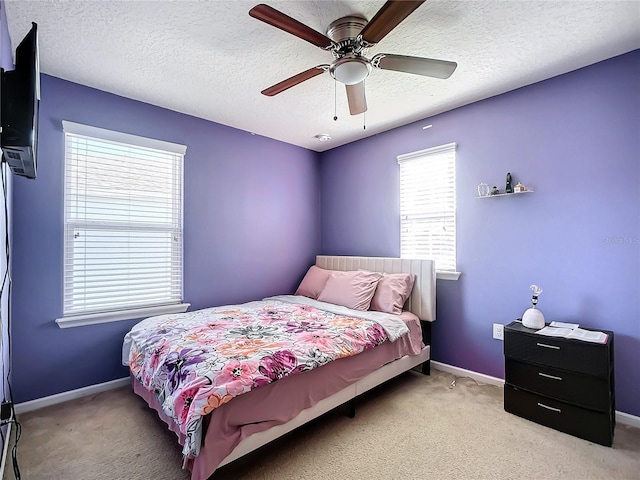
[422,303]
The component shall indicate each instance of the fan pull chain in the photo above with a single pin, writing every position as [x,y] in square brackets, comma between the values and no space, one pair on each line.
[335,101]
[364,120]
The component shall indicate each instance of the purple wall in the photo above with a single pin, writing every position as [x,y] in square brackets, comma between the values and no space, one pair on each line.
[575,140]
[251,229]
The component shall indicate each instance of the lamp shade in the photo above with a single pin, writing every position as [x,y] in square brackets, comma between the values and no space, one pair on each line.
[350,70]
[533,318]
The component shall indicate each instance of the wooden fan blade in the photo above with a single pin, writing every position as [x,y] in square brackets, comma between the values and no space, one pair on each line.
[293,81]
[428,67]
[290,25]
[357,99]
[388,18]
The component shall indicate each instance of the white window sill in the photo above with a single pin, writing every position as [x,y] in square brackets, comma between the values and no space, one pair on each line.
[95,318]
[448,275]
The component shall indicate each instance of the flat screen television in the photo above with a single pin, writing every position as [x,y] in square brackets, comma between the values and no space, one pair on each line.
[20,98]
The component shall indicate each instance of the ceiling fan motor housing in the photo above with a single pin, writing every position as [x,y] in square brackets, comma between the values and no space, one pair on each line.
[346,28]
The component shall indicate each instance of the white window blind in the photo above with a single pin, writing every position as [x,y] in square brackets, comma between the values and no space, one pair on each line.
[122,221]
[428,205]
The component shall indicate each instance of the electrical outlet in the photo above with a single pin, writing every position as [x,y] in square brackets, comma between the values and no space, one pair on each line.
[498,331]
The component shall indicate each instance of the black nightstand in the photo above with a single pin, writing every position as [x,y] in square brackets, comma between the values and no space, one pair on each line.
[562,383]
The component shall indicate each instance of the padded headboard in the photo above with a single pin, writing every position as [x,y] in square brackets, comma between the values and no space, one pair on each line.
[422,301]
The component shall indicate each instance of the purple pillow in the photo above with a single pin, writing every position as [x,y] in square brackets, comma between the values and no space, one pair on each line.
[313,282]
[352,289]
[392,291]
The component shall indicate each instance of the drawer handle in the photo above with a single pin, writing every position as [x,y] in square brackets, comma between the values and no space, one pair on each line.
[555,347]
[557,410]
[546,375]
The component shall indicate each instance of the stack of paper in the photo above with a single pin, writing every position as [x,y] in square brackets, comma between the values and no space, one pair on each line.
[572,330]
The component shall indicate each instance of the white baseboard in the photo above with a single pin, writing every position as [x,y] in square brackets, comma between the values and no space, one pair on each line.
[627,419]
[621,417]
[70,395]
[461,372]
[5,449]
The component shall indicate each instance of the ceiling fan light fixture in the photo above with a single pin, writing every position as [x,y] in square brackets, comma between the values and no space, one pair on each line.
[350,70]
[323,137]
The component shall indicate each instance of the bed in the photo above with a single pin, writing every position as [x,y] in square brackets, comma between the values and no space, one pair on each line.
[251,419]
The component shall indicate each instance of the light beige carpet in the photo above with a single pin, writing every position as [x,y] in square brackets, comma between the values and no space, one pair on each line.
[414,427]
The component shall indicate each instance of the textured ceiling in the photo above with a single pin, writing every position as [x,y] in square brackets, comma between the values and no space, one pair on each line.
[210,59]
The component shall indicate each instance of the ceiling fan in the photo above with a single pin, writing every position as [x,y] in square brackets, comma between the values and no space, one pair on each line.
[348,39]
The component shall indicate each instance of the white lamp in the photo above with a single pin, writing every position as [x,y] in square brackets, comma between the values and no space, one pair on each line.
[533,318]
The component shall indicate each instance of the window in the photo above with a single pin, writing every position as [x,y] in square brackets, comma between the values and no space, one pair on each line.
[428,207]
[122,226]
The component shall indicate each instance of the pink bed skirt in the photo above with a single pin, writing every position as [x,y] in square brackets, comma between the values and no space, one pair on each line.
[279,402]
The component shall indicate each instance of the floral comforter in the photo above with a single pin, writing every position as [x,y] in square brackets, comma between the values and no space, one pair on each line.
[196,361]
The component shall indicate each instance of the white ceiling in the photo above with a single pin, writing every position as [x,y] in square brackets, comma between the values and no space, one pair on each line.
[210,59]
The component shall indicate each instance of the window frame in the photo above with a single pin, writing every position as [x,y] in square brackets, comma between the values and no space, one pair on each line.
[450,169]
[75,319]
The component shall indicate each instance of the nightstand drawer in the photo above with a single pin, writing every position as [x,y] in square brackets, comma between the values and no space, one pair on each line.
[587,424]
[584,390]
[574,355]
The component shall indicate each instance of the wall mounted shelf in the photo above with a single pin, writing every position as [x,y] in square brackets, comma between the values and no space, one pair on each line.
[506,194]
